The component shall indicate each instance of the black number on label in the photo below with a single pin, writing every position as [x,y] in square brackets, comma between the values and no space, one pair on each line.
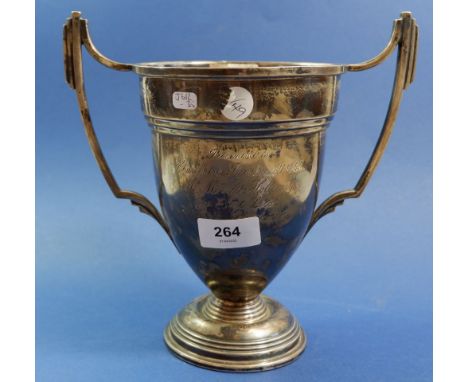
[226,231]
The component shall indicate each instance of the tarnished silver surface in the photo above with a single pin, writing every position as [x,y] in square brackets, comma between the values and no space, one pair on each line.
[225,69]
[234,141]
[220,335]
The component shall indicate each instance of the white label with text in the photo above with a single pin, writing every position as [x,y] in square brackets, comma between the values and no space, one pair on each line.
[236,233]
[239,105]
[184,100]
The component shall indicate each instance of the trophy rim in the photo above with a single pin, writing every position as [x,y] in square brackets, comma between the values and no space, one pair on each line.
[236,69]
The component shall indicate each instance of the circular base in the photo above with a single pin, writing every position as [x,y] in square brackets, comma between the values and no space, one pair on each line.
[250,336]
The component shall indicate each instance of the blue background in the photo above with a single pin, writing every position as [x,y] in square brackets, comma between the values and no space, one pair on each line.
[108,280]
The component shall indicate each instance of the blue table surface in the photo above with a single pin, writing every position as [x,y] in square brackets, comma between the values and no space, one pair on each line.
[104,321]
[108,280]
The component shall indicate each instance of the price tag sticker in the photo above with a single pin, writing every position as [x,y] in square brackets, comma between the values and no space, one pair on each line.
[184,100]
[239,105]
[236,233]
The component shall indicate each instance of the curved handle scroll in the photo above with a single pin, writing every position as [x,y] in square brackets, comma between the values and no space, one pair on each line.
[75,34]
[405,36]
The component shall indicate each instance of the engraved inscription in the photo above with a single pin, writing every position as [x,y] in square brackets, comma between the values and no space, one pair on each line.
[238,178]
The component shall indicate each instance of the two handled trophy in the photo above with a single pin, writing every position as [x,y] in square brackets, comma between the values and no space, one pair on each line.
[238,151]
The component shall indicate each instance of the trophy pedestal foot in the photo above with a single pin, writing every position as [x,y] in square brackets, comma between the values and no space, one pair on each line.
[250,336]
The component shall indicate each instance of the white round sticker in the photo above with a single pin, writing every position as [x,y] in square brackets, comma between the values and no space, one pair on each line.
[239,105]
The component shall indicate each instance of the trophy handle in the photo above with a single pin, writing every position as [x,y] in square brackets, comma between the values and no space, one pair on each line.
[75,34]
[405,36]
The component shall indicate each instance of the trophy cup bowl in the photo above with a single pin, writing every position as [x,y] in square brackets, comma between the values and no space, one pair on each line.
[238,151]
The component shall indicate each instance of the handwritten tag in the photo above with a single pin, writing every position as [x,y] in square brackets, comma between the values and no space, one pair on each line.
[235,233]
[240,104]
[184,100]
